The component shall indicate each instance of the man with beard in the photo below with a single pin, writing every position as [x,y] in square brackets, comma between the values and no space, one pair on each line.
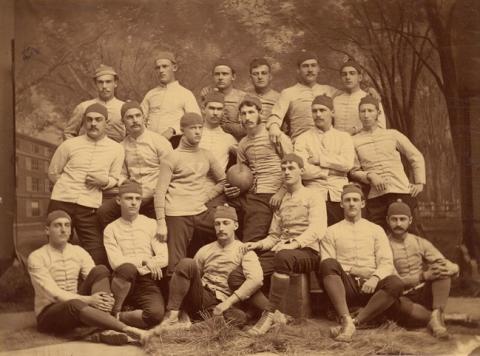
[81,168]
[426,273]
[106,80]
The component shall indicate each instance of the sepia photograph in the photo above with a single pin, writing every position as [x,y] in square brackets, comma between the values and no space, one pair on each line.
[240,177]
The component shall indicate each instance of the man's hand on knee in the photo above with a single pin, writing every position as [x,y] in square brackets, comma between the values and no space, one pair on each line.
[102,301]
[370,285]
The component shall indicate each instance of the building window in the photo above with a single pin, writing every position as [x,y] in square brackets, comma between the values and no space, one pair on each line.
[35,164]
[45,166]
[28,183]
[35,184]
[28,163]
[48,186]
[34,208]
[36,148]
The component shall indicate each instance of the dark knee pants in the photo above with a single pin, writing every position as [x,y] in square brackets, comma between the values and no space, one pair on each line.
[377,207]
[303,260]
[198,297]
[392,285]
[85,222]
[109,211]
[144,293]
[65,316]
[181,231]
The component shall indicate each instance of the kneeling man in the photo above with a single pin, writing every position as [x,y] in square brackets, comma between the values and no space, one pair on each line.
[61,304]
[137,257]
[201,283]
[357,266]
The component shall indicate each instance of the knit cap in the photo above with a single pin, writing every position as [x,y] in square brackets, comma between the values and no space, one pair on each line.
[224,62]
[351,63]
[225,212]
[190,118]
[399,208]
[103,69]
[166,55]
[98,108]
[214,97]
[292,157]
[352,188]
[54,215]
[130,104]
[323,100]
[304,56]
[130,186]
[369,100]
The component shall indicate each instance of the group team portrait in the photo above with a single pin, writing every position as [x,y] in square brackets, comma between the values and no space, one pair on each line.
[241,177]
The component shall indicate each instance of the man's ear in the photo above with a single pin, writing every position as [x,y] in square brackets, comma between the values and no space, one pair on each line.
[117,199]
[235,225]
[174,68]
[364,203]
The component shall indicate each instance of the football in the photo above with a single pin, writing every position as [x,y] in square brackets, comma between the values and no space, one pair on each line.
[240,176]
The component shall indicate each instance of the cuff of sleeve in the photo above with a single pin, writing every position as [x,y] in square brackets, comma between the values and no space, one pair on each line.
[111,183]
[273,119]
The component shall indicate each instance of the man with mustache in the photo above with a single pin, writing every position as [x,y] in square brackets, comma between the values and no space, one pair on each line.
[81,168]
[328,155]
[357,267]
[180,196]
[106,80]
[201,283]
[263,158]
[164,105]
[426,273]
[144,151]
[346,104]
[378,163]
[61,302]
[137,258]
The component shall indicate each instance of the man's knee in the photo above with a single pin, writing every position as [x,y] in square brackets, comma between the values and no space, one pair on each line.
[99,272]
[284,261]
[126,271]
[186,267]
[75,306]
[330,266]
[236,278]
[393,285]
[153,314]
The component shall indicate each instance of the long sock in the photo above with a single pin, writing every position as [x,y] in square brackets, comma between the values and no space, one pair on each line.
[94,317]
[120,289]
[440,293]
[259,300]
[336,292]
[134,318]
[179,286]
[278,290]
[416,313]
[377,304]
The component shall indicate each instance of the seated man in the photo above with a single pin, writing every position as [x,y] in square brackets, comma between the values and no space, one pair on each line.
[144,150]
[137,258]
[200,283]
[60,303]
[328,155]
[425,272]
[263,158]
[291,245]
[379,164]
[180,196]
[357,266]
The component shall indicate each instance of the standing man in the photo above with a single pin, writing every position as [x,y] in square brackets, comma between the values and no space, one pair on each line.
[144,150]
[291,246]
[426,273]
[61,304]
[224,77]
[346,104]
[294,103]
[261,78]
[180,196]
[165,104]
[106,80]
[80,169]
[328,155]
[378,164]
[357,266]
[263,158]
[137,258]
[201,283]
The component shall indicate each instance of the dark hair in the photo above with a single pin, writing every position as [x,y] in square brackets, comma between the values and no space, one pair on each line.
[257,62]
[249,103]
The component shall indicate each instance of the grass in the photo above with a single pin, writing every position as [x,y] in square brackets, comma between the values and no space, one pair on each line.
[16,290]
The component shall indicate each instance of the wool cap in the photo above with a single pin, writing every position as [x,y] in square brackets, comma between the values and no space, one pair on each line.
[224,62]
[292,157]
[54,215]
[257,62]
[166,55]
[305,55]
[225,211]
[214,97]
[250,100]
[369,100]
[351,63]
[399,208]
[98,108]
[130,186]
[130,104]
[352,188]
[103,69]
[323,100]
[191,118]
